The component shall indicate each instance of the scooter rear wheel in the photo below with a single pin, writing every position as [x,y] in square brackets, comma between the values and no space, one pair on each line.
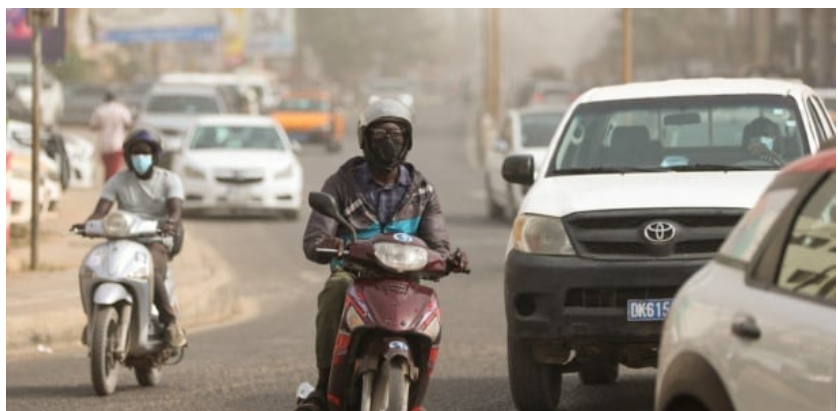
[104,368]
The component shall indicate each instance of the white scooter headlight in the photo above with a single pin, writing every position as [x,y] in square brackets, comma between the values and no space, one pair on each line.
[116,225]
[401,257]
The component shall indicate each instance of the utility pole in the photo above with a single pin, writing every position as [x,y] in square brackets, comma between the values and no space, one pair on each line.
[493,63]
[489,109]
[627,46]
[37,19]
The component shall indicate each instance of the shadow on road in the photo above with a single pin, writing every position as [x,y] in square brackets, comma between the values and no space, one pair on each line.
[41,392]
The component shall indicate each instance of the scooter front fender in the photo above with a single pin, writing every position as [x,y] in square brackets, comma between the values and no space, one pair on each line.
[110,294]
[388,348]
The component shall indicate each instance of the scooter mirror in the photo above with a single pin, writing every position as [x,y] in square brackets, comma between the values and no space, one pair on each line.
[325,204]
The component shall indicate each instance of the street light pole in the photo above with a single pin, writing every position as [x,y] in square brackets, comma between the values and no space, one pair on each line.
[627,46]
[35,18]
[493,63]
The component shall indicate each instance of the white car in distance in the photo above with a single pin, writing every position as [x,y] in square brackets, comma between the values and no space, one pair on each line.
[523,131]
[236,164]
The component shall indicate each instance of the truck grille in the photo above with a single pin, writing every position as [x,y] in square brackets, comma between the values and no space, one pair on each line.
[612,297]
[679,234]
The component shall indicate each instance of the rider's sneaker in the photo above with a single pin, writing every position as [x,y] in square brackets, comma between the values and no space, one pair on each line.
[175,335]
[314,402]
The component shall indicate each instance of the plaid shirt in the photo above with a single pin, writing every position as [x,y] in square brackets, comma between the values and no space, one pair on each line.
[385,199]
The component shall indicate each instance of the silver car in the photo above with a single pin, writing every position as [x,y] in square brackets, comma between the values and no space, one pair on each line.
[754,329]
[172,109]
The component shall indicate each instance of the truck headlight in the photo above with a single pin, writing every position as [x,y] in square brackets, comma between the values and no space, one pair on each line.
[541,235]
[116,225]
[401,257]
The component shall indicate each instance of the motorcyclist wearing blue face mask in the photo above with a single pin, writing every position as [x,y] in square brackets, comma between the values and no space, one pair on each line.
[153,193]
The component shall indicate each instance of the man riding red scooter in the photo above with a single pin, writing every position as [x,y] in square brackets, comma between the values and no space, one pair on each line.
[376,194]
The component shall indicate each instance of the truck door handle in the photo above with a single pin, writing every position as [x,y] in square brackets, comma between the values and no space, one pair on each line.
[746,327]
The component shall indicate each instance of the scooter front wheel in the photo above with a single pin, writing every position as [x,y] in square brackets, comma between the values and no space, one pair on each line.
[392,387]
[103,363]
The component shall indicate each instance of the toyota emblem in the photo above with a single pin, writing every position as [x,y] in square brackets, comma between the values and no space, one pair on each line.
[659,232]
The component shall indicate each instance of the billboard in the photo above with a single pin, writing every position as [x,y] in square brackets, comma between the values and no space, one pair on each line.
[156,25]
[271,32]
[19,38]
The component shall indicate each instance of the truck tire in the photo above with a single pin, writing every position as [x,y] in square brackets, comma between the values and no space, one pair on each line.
[534,386]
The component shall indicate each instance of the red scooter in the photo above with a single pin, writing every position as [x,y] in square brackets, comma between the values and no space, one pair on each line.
[389,336]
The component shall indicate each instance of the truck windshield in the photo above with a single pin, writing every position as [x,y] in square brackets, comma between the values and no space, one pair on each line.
[681,134]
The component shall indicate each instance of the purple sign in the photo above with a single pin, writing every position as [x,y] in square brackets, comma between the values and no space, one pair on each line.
[19,38]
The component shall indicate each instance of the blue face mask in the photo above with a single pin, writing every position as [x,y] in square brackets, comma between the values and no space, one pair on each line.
[141,163]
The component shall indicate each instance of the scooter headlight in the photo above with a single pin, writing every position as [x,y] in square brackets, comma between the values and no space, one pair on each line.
[353,319]
[401,257]
[116,225]
[432,330]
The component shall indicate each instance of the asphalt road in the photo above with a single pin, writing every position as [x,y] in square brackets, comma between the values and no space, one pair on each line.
[257,361]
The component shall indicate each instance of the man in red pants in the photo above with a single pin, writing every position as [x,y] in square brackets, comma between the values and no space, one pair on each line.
[111,120]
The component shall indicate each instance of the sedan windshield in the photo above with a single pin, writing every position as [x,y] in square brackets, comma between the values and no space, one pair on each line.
[754,132]
[303,104]
[183,104]
[237,138]
[538,129]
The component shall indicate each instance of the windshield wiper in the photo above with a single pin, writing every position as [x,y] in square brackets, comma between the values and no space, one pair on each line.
[607,170]
[719,167]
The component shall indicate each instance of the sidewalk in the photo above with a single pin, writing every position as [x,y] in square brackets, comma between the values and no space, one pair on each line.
[43,307]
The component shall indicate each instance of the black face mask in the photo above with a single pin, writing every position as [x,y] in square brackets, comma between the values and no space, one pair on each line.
[384,154]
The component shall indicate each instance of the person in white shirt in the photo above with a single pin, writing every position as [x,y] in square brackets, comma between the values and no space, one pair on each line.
[111,120]
[152,193]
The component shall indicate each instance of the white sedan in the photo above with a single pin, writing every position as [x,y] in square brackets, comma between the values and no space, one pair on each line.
[240,164]
[523,131]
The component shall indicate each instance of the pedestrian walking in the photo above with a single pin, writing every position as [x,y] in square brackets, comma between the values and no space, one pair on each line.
[111,120]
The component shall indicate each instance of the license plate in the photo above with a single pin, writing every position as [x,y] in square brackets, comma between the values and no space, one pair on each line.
[648,309]
[236,194]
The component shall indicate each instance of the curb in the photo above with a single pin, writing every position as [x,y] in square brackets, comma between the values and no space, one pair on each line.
[205,289]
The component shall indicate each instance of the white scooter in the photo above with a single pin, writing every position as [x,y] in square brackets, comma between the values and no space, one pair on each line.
[116,281]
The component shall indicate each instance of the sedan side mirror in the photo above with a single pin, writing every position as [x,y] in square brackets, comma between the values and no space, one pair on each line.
[519,169]
[296,147]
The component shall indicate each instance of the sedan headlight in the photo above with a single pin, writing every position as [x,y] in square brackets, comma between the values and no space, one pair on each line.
[284,173]
[21,173]
[401,257]
[116,225]
[194,172]
[541,235]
